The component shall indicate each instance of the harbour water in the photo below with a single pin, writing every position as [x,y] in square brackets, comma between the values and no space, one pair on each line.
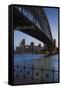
[37,67]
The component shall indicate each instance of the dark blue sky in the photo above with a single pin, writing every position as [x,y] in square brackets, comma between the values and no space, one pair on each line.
[52,14]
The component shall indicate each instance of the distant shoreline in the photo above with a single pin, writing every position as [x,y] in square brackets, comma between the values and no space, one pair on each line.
[45,55]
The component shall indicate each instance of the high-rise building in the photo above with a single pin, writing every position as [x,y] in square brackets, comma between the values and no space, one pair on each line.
[23,42]
[32,46]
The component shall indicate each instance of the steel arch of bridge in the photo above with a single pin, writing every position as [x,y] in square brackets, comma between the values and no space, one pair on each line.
[34,22]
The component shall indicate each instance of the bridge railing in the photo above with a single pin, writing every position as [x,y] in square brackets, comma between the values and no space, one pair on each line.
[35,74]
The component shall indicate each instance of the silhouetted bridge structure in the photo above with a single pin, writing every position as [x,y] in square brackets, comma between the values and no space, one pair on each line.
[34,22]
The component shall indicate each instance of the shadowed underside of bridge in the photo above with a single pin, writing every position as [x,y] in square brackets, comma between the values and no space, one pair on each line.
[33,21]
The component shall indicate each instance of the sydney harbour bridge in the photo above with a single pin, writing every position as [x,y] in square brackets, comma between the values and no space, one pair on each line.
[33,21]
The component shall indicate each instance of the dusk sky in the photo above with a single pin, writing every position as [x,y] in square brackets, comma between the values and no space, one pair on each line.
[52,14]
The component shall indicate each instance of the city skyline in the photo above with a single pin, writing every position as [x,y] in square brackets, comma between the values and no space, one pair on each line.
[52,15]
